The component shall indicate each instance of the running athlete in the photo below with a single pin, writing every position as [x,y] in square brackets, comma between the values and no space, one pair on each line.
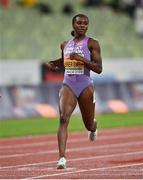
[79,55]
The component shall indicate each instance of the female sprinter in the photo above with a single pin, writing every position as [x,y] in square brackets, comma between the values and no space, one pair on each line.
[79,55]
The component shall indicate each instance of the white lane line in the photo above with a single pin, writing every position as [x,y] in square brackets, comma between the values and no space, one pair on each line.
[52,142]
[77,159]
[42,169]
[85,170]
[74,149]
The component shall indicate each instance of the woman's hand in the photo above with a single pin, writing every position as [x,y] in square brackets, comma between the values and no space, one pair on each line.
[51,66]
[75,56]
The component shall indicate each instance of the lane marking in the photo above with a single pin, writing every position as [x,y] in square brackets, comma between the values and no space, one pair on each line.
[84,170]
[73,149]
[52,142]
[76,159]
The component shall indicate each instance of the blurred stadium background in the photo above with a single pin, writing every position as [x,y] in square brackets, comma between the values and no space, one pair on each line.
[30,34]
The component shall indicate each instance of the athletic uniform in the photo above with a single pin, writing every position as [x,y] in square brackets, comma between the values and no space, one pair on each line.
[77,76]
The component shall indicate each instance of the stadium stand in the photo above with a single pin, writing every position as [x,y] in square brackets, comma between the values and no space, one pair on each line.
[28,34]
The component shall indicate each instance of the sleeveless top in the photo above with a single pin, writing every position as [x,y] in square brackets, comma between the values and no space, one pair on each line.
[74,67]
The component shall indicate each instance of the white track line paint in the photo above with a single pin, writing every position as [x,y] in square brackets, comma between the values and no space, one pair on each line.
[43,169]
[52,142]
[111,130]
[73,149]
[85,170]
[77,159]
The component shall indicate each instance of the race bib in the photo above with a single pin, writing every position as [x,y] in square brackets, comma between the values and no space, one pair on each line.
[73,67]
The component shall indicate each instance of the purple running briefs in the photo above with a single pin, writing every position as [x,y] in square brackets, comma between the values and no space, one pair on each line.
[77,77]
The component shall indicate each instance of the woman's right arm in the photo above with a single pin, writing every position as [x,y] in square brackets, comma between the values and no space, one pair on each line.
[58,63]
[55,64]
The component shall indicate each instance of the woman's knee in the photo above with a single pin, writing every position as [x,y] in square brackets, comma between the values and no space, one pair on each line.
[64,118]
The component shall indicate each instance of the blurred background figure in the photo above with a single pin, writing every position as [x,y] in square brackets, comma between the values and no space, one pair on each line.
[114,4]
[129,7]
[67,9]
[5,3]
[29,3]
[95,3]
[139,18]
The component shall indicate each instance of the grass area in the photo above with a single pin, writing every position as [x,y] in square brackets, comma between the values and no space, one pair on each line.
[34,126]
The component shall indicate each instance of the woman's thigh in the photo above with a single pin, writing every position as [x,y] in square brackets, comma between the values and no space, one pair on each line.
[87,105]
[67,101]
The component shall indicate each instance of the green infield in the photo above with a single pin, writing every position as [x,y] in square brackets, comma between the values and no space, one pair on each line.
[37,126]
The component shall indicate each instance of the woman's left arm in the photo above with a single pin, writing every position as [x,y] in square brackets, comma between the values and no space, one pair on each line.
[96,61]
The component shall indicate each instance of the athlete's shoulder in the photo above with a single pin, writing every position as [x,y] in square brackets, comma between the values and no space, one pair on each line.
[63,44]
[93,43]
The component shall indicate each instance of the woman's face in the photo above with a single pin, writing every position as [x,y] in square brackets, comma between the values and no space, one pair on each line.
[80,25]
